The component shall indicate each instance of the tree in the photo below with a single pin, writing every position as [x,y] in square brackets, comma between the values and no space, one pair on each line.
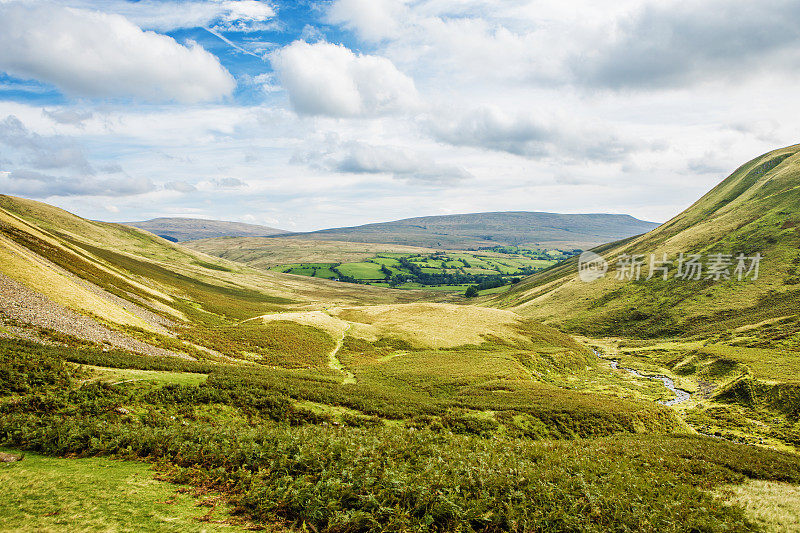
[472,291]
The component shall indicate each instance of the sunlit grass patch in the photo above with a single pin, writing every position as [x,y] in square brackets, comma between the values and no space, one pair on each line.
[119,376]
[98,494]
[772,505]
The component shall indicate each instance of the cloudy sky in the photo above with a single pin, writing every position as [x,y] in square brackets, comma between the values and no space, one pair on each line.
[311,114]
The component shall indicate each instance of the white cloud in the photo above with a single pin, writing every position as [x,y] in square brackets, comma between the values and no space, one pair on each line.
[372,20]
[34,184]
[41,152]
[329,79]
[228,15]
[180,186]
[229,183]
[88,53]
[74,117]
[357,157]
[527,135]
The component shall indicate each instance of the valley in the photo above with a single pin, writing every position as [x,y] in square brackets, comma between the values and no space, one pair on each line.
[292,379]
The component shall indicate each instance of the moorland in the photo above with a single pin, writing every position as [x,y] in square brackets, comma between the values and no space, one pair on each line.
[216,379]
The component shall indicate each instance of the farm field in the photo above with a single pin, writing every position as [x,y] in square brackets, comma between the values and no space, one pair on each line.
[441,271]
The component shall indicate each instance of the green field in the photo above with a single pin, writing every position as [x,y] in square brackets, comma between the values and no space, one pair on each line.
[437,271]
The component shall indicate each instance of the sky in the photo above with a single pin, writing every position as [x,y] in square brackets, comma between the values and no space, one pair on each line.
[313,114]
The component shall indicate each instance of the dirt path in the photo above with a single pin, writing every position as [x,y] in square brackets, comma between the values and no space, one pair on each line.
[335,364]
[335,327]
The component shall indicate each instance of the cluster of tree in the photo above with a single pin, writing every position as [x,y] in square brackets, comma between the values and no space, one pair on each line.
[488,283]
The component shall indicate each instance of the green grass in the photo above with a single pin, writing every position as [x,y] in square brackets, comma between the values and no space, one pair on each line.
[159,377]
[276,343]
[438,271]
[753,210]
[362,271]
[267,438]
[98,494]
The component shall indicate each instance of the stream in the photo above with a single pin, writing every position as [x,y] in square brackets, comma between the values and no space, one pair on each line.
[680,394]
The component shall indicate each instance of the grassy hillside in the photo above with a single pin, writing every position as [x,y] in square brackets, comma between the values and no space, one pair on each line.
[409,446]
[487,230]
[265,253]
[189,229]
[307,404]
[109,283]
[755,210]
[734,344]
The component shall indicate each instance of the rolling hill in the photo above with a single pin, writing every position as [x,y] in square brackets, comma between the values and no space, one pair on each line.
[177,229]
[312,404]
[753,211]
[486,230]
[734,342]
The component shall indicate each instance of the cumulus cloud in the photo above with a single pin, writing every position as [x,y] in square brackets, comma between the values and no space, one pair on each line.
[687,42]
[360,158]
[34,184]
[93,54]
[329,79]
[72,117]
[229,183]
[526,135]
[227,15]
[42,152]
[372,20]
[180,186]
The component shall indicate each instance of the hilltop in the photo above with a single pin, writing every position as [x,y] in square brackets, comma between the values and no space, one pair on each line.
[178,229]
[754,210]
[488,230]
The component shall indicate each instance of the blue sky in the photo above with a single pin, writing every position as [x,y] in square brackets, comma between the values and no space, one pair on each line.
[304,115]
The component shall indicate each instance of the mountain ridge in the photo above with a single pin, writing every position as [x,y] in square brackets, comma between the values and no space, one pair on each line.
[489,229]
[180,229]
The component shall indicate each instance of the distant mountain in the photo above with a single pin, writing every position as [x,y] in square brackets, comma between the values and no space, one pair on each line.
[480,230]
[189,229]
[756,210]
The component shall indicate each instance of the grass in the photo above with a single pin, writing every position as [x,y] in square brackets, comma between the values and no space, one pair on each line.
[751,211]
[98,494]
[298,447]
[772,505]
[117,375]
[461,418]
[362,271]
[277,343]
[451,271]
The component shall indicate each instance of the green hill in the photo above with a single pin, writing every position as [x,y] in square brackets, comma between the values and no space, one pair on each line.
[488,230]
[736,343]
[177,229]
[307,404]
[755,210]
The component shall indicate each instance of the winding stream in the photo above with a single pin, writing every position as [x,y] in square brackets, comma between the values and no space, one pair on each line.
[680,394]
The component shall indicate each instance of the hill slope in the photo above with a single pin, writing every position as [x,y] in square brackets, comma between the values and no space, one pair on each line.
[480,230]
[94,279]
[755,210]
[189,229]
